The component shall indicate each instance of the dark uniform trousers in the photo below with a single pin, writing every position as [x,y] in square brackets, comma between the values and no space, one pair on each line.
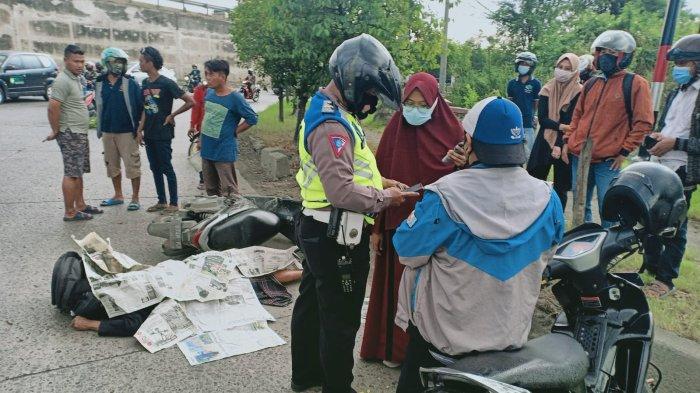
[326,319]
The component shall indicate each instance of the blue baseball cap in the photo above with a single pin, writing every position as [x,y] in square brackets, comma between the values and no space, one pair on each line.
[495,125]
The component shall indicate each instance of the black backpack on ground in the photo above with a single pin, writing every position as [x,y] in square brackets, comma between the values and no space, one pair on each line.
[70,289]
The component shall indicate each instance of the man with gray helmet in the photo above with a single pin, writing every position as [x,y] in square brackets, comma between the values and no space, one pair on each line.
[524,92]
[119,105]
[614,110]
[678,148]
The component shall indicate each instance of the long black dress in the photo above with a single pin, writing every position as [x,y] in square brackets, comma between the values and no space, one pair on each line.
[541,159]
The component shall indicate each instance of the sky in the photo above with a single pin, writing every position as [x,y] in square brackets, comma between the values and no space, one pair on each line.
[467,20]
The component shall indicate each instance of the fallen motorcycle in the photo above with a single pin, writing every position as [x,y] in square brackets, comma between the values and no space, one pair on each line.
[218,223]
[602,340]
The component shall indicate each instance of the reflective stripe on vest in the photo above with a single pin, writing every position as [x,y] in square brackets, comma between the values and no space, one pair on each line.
[365,171]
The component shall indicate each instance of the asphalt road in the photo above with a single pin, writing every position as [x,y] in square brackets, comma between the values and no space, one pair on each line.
[39,352]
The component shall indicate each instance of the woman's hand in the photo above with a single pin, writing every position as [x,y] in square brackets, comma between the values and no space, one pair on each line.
[556,152]
[565,154]
[375,241]
[564,128]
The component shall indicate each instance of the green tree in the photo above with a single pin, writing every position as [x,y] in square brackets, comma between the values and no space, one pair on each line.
[520,22]
[292,40]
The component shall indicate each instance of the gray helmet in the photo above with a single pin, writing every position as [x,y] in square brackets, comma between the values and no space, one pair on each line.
[617,40]
[687,48]
[527,57]
[360,65]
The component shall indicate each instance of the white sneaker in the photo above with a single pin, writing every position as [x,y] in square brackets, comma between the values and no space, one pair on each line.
[391,364]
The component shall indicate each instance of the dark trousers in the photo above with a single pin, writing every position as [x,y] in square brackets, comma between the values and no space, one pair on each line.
[160,154]
[663,256]
[417,356]
[562,177]
[326,319]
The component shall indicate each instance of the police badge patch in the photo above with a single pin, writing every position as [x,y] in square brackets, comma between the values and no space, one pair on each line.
[338,143]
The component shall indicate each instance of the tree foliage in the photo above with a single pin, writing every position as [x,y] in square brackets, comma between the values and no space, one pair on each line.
[292,40]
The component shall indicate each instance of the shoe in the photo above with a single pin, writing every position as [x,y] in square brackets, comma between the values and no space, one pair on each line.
[298,387]
[171,209]
[157,207]
[658,290]
[391,364]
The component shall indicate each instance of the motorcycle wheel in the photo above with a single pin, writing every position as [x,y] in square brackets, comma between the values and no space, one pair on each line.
[256,96]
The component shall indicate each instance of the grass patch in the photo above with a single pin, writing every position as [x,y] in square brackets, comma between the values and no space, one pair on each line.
[680,312]
[694,210]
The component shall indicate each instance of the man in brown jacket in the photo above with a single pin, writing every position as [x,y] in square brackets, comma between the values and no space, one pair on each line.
[601,113]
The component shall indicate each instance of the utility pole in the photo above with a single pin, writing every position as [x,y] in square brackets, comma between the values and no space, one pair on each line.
[443,55]
[657,85]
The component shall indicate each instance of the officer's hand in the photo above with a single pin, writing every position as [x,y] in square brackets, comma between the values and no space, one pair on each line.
[397,197]
[375,241]
[388,183]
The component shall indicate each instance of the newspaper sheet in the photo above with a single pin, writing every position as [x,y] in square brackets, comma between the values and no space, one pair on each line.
[221,344]
[166,326]
[258,261]
[220,265]
[100,252]
[131,291]
[240,307]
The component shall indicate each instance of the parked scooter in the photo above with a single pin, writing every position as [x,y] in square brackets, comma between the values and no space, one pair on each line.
[602,340]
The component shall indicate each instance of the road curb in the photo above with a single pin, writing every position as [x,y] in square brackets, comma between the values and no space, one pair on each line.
[676,343]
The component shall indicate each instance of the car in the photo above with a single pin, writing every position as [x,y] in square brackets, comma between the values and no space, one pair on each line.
[134,70]
[26,74]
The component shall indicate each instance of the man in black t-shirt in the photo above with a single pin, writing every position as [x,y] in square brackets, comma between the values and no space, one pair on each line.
[157,127]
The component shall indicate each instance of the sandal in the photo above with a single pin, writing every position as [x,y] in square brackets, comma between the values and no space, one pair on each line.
[133,206]
[112,202]
[658,290]
[92,210]
[79,216]
[157,207]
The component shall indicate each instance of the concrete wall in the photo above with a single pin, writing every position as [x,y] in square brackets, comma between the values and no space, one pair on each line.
[184,38]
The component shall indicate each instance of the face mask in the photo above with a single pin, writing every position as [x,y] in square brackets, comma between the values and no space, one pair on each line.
[523,69]
[562,75]
[585,75]
[682,75]
[607,63]
[115,67]
[417,115]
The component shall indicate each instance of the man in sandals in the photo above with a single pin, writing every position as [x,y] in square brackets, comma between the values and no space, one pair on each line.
[119,106]
[69,119]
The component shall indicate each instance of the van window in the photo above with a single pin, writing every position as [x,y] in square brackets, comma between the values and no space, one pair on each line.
[31,62]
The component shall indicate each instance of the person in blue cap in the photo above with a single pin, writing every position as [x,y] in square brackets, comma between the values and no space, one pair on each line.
[475,248]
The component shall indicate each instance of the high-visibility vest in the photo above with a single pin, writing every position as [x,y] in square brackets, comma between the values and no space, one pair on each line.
[365,171]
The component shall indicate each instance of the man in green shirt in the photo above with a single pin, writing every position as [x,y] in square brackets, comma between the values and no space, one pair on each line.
[69,119]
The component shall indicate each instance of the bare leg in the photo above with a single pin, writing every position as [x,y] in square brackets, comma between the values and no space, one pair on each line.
[69,186]
[117,183]
[287,276]
[79,199]
[135,187]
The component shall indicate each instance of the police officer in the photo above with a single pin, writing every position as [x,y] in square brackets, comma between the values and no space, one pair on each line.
[338,173]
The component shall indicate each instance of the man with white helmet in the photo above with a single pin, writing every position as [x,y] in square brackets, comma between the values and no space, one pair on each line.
[614,110]
[524,91]
[119,105]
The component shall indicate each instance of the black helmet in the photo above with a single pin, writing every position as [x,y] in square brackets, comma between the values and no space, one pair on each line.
[687,48]
[362,64]
[619,41]
[646,193]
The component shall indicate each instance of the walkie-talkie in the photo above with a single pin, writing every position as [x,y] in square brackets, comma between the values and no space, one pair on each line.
[345,273]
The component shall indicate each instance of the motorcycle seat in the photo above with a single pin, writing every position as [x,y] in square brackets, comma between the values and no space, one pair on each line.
[553,361]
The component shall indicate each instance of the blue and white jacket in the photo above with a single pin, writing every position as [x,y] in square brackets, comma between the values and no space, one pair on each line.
[474,250]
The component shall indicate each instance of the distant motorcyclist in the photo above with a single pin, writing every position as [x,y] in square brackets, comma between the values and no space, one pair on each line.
[248,83]
[195,77]
[90,75]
